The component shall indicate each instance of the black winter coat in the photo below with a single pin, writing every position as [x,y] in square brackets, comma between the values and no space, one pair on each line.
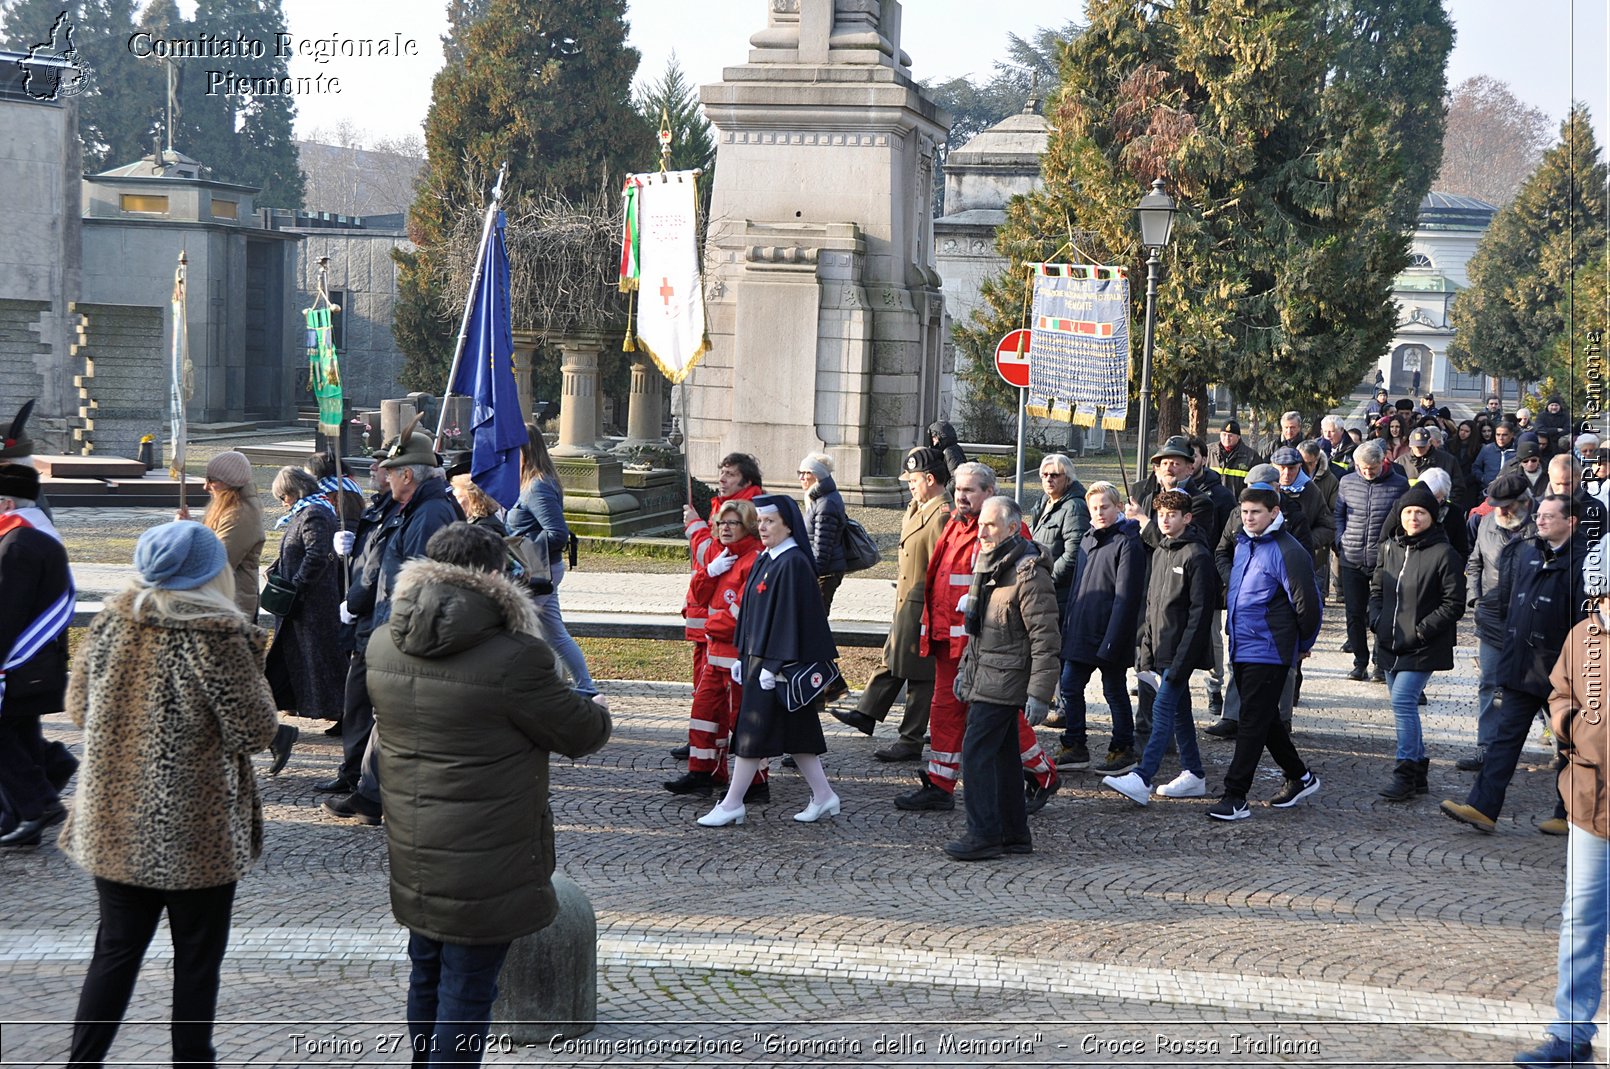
[1543,595]
[307,665]
[1109,591]
[1224,502]
[824,523]
[1416,595]
[405,533]
[1203,514]
[34,576]
[1482,570]
[1361,510]
[1058,527]
[1181,596]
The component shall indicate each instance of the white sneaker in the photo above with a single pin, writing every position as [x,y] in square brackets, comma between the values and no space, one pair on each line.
[1184,785]
[1131,786]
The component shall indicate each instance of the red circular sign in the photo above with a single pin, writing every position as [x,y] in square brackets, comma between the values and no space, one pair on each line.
[1012,364]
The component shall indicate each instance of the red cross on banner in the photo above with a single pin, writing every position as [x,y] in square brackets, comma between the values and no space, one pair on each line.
[666,292]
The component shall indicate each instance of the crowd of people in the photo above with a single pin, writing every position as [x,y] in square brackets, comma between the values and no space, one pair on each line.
[1219,563]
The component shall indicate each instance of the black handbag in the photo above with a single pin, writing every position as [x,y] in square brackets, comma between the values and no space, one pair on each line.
[801,683]
[278,596]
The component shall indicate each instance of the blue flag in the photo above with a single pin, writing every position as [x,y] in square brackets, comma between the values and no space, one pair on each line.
[486,375]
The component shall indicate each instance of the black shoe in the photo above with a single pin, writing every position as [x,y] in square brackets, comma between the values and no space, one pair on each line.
[1295,791]
[1422,771]
[1358,675]
[856,719]
[1230,808]
[1037,794]
[1223,729]
[1377,676]
[680,753]
[339,785]
[354,807]
[334,730]
[699,783]
[899,751]
[759,791]
[1347,646]
[838,690]
[1400,788]
[971,849]
[926,799]
[1075,756]
[284,738]
[1474,762]
[1118,762]
[1018,846]
[30,833]
[788,761]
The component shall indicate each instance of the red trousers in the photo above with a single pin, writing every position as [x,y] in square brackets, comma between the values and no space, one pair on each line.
[716,700]
[947,724]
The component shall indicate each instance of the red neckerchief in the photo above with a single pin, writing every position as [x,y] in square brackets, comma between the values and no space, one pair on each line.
[11,521]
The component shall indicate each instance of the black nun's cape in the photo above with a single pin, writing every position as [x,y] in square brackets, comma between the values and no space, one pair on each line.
[781,620]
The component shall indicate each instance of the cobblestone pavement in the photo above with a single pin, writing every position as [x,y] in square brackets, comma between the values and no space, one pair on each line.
[1353,930]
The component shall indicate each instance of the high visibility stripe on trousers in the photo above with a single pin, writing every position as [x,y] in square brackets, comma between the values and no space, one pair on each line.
[947,724]
[710,725]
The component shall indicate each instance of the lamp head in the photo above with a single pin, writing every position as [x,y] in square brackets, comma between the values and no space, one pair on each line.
[1156,214]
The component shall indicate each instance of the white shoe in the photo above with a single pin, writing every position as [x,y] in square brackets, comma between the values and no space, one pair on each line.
[1131,786]
[1184,785]
[813,812]
[720,818]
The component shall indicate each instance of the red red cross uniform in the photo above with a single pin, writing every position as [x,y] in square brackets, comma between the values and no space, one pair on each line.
[716,698]
[944,636]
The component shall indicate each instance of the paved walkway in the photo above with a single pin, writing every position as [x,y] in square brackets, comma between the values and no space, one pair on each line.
[1352,930]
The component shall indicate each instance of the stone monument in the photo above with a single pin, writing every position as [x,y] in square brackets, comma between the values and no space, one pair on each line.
[826,317]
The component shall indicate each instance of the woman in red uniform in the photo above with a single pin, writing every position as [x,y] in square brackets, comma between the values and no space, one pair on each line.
[716,588]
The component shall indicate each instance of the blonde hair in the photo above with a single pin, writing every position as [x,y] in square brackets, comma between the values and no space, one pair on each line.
[478,505]
[1107,490]
[746,515]
[225,502]
[215,597]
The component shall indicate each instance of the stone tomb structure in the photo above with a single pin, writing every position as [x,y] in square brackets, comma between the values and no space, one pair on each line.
[826,316]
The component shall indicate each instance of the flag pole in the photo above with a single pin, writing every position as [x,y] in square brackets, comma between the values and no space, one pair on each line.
[181,357]
[469,301]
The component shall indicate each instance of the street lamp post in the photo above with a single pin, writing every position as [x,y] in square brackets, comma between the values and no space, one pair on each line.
[1156,214]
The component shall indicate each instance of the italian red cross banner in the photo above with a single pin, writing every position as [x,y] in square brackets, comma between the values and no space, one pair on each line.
[1079,326]
[660,262]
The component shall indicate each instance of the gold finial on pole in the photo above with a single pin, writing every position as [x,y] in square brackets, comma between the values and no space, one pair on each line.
[665,138]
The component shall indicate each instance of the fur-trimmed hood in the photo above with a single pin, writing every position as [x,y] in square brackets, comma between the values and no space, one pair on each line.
[440,609]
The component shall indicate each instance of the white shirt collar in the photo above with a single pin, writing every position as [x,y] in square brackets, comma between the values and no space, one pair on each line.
[780,548]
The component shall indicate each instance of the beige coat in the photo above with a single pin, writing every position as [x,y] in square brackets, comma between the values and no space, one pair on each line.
[172,710]
[919,533]
[241,532]
[1580,711]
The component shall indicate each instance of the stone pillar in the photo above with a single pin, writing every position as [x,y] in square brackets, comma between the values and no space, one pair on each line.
[578,412]
[644,405]
[549,983]
[526,349]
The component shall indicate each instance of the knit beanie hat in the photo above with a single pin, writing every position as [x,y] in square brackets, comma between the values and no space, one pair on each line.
[1419,496]
[230,469]
[181,555]
[817,464]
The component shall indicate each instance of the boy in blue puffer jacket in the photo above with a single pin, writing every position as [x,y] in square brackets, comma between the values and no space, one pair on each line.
[1272,615]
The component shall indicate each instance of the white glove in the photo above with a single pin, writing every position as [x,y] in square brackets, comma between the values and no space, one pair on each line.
[343,541]
[961,606]
[601,701]
[1035,711]
[768,681]
[733,609]
[737,672]
[722,564]
[346,616]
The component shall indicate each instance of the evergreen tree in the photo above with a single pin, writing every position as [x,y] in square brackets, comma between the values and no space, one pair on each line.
[1293,136]
[543,84]
[1514,314]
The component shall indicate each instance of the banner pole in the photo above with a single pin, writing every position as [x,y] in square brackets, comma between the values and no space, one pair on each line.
[687,472]
[469,300]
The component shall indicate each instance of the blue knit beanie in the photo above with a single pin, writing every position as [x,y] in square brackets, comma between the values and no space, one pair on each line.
[181,555]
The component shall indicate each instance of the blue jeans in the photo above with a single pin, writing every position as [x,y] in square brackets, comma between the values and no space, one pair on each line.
[1584,923]
[1487,655]
[992,768]
[553,629]
[1115,686]
[450,994]
[1405,689]
[1173,699]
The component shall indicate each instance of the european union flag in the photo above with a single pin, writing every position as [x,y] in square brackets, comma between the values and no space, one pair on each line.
[486,375]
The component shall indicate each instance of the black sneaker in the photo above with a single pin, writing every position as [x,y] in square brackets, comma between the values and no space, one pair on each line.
[1035,795]
[1230,808]
[1295,791]
[1473,762]
[1118,762]
[1075,756]
[1358,675]
[926,799]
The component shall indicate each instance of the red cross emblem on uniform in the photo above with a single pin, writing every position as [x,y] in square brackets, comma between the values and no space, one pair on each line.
[760,587]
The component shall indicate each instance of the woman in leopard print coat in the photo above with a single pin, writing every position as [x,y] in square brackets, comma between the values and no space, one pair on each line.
[170,692]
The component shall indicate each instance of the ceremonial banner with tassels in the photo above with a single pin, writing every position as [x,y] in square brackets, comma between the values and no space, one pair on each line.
[660,261]
[183,374]
[1079,324]
[324,369]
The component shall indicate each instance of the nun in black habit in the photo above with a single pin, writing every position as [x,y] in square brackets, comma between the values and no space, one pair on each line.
[781,622]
